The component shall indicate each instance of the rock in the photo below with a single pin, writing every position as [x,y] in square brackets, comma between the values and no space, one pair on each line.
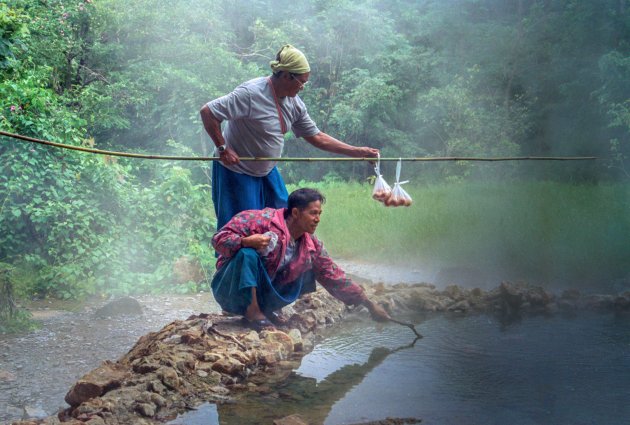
[571,294]
[290,420]
[455,293]
[307,324]
[278,344]
[245,357]
[204,366]
[599,302]
[477,292]
[211,357]
[158,400]
[218,389]
[510,298]
[252,337]
[145,409]
[169,377]
[192,337]
[229,366]
[566,305]
[95,420]
[296,338]
[621,303]
[143,366]
[157,387]
[82,391]
[104,378]
[539,297]
[53,420]
[460,306]
[288,364]
[124,306]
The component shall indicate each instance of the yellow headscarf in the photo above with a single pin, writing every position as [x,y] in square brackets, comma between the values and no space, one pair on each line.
[291,60]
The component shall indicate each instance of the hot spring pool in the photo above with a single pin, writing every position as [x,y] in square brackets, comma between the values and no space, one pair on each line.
[466,370]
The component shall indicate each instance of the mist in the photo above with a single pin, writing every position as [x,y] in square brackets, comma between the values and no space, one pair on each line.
[412,78]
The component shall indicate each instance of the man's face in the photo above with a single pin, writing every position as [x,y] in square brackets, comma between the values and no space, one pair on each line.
[308,218]
[296,82]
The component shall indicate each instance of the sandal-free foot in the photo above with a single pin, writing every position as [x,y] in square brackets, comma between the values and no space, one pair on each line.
[277,319]
[260,324]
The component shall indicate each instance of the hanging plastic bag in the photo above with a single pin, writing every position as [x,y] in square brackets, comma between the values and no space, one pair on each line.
[381,190]
[399,197]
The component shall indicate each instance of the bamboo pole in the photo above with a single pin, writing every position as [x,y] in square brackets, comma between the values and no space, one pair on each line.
[288,159]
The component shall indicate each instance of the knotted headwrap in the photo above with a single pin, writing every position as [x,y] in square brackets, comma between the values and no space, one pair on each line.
[291,60]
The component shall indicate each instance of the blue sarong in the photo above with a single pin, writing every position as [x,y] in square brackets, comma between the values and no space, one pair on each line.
[232,285]
[234,192]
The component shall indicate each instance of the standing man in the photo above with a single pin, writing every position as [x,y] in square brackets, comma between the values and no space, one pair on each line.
[259,113]
[256,276]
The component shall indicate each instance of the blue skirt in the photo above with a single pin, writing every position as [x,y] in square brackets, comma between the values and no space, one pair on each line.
[234,192]
[232,283]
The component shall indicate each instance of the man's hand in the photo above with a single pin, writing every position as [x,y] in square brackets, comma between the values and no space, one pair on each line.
[328,143]
[229,157]
[377,312]
[366,152]
[257,241]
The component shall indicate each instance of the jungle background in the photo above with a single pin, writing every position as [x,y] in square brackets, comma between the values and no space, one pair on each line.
[413,78]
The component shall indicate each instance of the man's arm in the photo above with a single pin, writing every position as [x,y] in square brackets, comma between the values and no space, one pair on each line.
[377,312]
[335,281]
[227,243]
[244,230]
[213,127]
[328,143]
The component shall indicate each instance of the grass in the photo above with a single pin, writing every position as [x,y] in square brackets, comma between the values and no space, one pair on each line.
[539,231]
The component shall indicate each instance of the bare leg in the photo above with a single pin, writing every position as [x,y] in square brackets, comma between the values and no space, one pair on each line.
[253,311]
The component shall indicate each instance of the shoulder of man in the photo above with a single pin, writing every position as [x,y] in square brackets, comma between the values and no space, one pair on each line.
[255,215]
[253,84]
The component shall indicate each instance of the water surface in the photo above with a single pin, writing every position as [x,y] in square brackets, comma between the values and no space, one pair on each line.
[466,370]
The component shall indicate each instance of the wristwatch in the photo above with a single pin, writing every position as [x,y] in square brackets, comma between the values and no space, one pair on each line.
[221,148]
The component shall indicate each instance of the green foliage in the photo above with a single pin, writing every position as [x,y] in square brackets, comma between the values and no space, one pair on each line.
[614,99]
[82,224]
[12,29]
[429,78]
[12,317]
[171,216]
[459,121]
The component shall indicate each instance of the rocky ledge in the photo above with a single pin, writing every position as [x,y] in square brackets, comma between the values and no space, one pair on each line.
[214,358]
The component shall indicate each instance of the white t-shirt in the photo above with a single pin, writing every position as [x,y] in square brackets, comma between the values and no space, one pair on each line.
[252,127]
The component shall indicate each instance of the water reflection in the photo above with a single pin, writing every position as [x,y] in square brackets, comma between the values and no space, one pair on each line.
[324,378]
[303,395]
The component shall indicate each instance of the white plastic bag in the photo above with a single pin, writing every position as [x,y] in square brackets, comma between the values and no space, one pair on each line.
[273,241]
[399,197]
[381,190]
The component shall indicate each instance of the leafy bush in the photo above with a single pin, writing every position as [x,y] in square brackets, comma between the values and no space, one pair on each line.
[12,317]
